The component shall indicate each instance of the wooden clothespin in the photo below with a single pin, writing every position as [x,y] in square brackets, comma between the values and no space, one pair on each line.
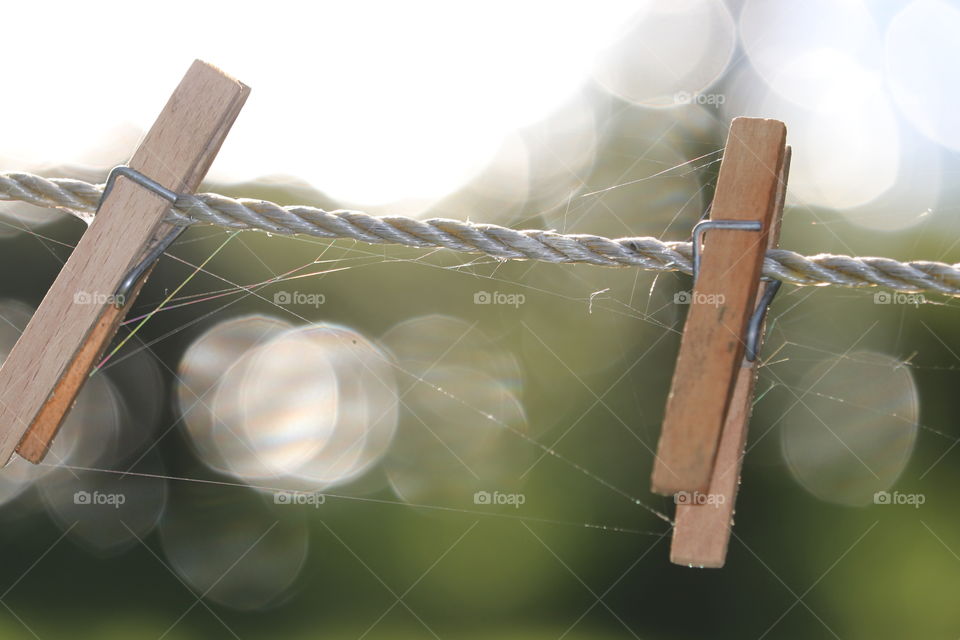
[82,311]
[701,532]
[711,396]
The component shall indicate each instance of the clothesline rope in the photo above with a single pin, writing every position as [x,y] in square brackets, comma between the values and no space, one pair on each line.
[81,198]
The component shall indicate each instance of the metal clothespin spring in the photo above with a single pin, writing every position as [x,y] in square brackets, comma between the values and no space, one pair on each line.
[752,339]
[756,319]
[159,247]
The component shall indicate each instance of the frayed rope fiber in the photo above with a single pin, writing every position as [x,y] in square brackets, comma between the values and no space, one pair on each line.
[502,243]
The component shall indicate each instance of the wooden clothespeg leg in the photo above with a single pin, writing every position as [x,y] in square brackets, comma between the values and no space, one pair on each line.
[723,300]
[701,533]
[81,312]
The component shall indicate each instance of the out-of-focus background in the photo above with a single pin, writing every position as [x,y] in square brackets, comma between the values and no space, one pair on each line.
[332,439]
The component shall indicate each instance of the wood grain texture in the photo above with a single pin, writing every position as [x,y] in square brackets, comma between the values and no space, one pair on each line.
[724,296]
[42,375]
[701,533]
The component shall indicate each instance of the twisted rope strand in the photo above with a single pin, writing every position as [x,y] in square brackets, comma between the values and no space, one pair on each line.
[502,243]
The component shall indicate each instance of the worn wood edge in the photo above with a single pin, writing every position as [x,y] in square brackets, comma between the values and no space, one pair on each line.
[701,533]
[676,442]
[35,441]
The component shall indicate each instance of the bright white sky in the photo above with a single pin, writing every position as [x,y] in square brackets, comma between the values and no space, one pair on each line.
[401,103]
[368,101]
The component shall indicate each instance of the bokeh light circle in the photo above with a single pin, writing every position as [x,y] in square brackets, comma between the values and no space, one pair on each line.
[107,513]
[921,54]
[854,429]
[305,407]
[851,155]
[427,342]
[670,53]
[275,407]
[367,407]
[231,548]
[806,51]
[458,435]
[202,366]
